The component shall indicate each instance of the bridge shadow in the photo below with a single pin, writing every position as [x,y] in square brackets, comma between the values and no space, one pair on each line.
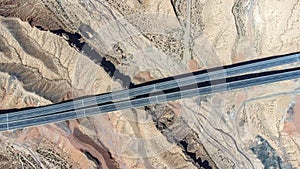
[208,83]
[212,69]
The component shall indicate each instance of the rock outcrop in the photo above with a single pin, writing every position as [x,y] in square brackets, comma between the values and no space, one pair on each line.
[51,51]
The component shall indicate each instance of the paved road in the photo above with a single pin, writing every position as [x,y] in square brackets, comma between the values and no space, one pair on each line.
[221,85]
[130,93]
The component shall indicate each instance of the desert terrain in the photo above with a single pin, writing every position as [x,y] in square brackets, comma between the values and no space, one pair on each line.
[56,50]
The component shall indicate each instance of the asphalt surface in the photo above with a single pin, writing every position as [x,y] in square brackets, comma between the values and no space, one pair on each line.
[219,85]
[152,88]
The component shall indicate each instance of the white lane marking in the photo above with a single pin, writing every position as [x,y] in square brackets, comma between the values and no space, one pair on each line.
[82,103]
[7,125]
[80,111]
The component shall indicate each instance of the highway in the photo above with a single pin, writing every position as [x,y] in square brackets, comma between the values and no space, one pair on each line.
[219,85]
[212,74]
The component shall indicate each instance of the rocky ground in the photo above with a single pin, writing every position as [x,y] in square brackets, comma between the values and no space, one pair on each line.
[51,51]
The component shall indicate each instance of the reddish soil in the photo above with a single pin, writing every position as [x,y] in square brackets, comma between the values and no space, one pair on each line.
[193,65]
[293,127]
[98,151]
[143,76]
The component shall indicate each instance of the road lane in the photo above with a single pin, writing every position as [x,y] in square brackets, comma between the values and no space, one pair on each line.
[221,87]
[126,94]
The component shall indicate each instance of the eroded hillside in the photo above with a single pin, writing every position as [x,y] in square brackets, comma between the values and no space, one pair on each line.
[51,51]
